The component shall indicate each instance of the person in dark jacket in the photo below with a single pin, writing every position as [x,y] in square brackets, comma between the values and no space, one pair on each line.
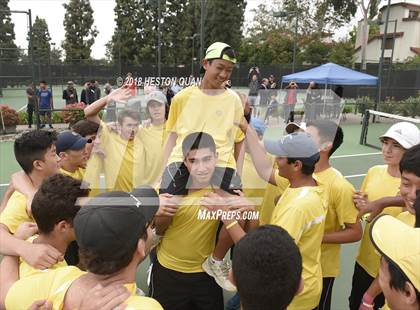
[70,93]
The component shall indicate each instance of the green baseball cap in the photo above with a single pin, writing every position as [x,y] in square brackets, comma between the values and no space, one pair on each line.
[216,51]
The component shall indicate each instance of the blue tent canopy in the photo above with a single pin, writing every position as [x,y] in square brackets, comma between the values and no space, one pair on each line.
[331,73]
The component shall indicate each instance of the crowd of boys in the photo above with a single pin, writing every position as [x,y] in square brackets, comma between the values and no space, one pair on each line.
[93,202]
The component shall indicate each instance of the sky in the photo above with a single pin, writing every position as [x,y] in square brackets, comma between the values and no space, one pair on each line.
[103,12]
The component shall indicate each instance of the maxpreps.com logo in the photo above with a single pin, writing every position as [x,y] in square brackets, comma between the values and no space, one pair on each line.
[204,214]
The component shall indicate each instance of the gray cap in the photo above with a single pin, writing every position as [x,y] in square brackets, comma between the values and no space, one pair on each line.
[297,145]
[156,95]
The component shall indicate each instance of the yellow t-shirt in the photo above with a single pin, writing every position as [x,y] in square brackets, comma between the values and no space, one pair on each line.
[378,183]
[272,192]
[26,270]
[78,174]
[15,212]
[341,210]
[53,286]
[253,186]
[93,171]
[188,240]
[153,139]
[219,115]
[301,212]
[407,218]
[123,162]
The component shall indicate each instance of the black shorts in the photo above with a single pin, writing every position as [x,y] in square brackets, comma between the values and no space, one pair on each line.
[185,291]
[175,179]
[45,112]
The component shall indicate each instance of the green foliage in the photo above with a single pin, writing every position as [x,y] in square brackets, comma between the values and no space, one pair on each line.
[316,52]
[389,106]
[40,41]
[23,118]
[7,34]
[342,53]
[410,107]
[56,118]
[223,22]
[80,33]
[363,104]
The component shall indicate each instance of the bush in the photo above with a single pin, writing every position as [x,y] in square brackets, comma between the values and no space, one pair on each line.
[23,118]
[56,118]
[363,104]
[410,107]
[9,116]
[389,106]
[74,113]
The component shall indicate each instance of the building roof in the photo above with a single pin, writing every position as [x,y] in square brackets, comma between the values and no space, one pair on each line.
[415,50]
[411,6]
[389,35]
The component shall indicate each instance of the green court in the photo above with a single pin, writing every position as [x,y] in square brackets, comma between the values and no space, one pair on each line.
[352,159]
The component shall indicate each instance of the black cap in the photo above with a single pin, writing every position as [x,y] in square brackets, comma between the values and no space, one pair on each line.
[69,140]
[112,222]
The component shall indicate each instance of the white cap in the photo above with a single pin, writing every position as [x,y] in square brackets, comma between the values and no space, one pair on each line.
[156,95]
[405,133]
[292,127]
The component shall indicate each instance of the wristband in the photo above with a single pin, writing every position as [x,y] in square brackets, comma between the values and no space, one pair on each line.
[368,300]
[231,224]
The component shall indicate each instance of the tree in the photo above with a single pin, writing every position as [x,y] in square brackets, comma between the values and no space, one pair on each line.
[315,53]
[40,41]
[342,53]
[8,49]
[368,7]
[224,21]
[80,33]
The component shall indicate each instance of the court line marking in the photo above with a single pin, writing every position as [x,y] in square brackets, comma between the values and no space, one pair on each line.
[356,155]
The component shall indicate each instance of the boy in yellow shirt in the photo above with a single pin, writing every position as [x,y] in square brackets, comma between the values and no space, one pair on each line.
[178,279]
[399,247]
[36,154]
[123,161]
[153,136]
[114,235]
[54,216]
[409,187]
[381,182]
[209,108]
[341,223]
[71,148]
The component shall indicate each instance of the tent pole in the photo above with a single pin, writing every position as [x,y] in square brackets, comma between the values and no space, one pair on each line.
[325,97]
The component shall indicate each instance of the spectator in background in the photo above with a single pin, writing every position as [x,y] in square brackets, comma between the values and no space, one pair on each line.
[254,71]
[90,93]
[289,102]
[175,88]
[70,93]
[30,92]
[313,97]
[45,103]
[253,91]
[111,110]
[97,91]
[131,84]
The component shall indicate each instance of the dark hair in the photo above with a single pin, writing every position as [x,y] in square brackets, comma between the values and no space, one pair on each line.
[329,132]
[42,82]
[128,113]
[32,146]
[267,255]
[197,140]
[410,161]
[398,278]
[55,201]
[307,169]
[100,264]
[416,207]
[85,127]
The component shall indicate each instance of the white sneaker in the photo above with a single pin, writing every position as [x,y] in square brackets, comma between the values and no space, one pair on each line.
[220,273]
